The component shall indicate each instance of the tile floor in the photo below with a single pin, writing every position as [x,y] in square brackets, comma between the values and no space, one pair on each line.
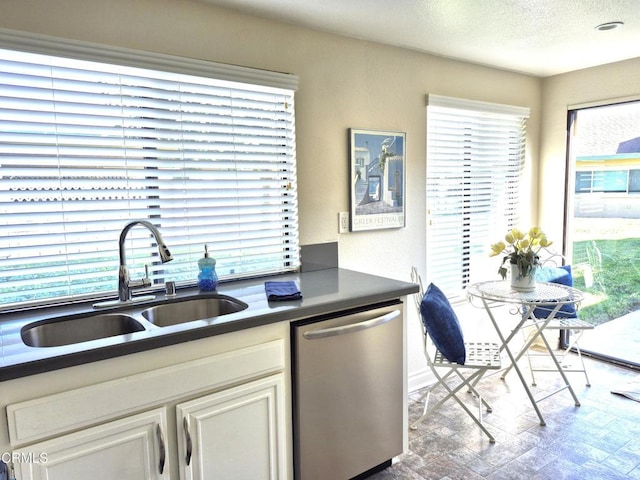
[598,440]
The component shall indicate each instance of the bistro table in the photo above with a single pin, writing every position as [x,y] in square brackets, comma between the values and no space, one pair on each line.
[550,296]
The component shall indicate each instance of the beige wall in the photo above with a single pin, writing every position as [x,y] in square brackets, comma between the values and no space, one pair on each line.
[598,85]
[343,83]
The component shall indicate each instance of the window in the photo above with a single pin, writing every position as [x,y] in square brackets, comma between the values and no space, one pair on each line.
[602,219]
[607,181]
[634,181]
[86,147]
[475,158]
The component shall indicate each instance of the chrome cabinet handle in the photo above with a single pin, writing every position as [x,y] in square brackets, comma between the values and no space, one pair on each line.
[354,327]
[162,447]
[187,435]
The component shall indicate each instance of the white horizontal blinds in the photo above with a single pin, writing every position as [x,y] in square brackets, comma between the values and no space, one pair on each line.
[87,147]
[475,157]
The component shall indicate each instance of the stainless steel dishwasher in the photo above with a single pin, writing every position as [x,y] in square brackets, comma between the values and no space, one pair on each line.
[348,392]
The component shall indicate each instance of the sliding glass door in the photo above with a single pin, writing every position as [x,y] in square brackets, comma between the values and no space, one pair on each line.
[603,225]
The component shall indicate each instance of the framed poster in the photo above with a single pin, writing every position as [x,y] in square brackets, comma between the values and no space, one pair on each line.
[377,168]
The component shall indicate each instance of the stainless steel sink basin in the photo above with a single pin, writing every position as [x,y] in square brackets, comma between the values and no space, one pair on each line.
[66,331]
[194,309]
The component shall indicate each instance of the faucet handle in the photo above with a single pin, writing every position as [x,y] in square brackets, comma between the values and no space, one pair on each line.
[146,281]
[143,282]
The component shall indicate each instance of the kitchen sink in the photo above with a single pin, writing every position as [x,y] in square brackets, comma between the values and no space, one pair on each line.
[69,330]
[194,309]
[66,331]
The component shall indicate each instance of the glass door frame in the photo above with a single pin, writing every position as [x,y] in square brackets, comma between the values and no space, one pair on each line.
[569,207]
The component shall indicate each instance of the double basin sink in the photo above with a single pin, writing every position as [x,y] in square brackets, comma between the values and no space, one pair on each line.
[72,329]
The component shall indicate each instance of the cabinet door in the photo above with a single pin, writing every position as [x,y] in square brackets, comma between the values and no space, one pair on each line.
[132,448]
[237,434]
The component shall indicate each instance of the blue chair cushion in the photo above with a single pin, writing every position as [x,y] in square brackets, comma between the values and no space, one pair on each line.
[561,275]
[442,325]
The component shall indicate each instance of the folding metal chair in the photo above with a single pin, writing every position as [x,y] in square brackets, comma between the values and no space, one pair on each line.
[454,377]
[576,328]
[569,322]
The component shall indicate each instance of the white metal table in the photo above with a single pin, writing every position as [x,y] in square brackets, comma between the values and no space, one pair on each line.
[552,297]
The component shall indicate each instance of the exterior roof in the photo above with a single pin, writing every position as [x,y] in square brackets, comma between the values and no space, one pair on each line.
[608,130]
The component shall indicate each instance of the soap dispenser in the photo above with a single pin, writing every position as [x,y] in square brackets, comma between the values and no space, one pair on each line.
[207,278]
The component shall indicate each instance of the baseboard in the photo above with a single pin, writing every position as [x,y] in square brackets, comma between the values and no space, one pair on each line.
[420,379]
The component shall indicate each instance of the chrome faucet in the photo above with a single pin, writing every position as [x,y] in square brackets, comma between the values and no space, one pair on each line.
[125,284]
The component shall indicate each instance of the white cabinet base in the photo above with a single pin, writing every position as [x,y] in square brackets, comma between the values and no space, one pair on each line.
[234,402]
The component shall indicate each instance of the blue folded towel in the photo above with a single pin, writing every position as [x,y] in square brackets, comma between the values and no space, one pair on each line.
[282,291]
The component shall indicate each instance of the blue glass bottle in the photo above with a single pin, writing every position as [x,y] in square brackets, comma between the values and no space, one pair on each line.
[207,278]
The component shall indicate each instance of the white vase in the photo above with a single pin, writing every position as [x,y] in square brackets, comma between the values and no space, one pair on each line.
[523,283]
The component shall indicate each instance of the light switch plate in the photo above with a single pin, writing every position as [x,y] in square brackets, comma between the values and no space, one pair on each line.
[343,222]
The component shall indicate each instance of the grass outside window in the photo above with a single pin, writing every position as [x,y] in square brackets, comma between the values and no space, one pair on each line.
[608,271]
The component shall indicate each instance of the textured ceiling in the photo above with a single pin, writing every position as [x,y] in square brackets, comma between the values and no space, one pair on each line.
[537,37]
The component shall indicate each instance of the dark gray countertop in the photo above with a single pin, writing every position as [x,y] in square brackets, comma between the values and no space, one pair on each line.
[324,292]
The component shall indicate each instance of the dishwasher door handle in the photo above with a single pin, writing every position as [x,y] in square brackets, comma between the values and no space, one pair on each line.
[353,327]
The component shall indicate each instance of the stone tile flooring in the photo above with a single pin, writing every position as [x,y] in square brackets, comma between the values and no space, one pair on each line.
[598,440]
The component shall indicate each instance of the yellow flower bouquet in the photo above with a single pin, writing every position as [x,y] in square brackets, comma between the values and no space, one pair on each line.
[521,249]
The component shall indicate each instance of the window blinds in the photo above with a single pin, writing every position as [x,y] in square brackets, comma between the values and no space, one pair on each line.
[86,147]
[475,158]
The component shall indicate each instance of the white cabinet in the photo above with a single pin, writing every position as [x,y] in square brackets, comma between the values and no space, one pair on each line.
[231,409]
[132,448]
[234,434]
[237,433]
